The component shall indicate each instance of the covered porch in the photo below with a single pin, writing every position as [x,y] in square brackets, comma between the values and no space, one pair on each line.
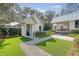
[62,26]
[27,27]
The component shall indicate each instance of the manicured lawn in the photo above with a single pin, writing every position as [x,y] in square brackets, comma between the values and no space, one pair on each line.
[11,47]
[56,47]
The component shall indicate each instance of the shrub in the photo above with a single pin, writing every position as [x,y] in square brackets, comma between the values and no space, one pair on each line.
[14,32]
[51,32]
[75,31]
[0,33]
[40,34]
[3,31]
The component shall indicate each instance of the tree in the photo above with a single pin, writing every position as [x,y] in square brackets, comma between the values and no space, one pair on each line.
[9,11]
[4,8]
[49,16]
[27,11]
[69,8]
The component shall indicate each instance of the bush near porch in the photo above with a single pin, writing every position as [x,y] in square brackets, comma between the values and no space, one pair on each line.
[75,31]
[40,34]
[51,32]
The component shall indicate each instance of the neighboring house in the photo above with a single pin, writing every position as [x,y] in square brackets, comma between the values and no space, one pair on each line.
[66,22]
[30,25]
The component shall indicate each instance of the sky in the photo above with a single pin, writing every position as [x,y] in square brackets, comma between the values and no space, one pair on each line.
[45,6]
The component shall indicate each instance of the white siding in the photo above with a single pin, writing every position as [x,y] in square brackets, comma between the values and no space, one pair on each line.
[72,25]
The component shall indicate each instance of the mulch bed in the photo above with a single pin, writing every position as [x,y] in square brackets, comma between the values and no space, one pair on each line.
[73,50]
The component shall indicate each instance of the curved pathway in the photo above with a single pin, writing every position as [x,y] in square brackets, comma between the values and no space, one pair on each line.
[31,49]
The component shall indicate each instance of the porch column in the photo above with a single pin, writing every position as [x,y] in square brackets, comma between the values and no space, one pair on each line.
[42,28]
[23,30]
[32,29]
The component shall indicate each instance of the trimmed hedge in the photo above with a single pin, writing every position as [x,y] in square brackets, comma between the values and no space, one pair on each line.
[40,34]
[75,31]
[51,32]
[11,32]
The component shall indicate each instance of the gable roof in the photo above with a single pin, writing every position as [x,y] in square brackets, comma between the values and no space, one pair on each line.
[68,17]
[33,19]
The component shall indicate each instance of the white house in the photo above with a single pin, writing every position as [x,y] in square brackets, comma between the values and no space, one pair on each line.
[30,25]
[66,22]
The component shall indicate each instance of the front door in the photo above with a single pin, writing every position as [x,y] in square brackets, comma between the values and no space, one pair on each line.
[28,30]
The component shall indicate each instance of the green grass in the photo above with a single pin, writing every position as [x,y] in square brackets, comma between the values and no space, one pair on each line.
[11,47]
[56,47]
[24,39]
[74,35]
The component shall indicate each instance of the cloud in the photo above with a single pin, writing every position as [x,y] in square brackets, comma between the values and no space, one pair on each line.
[57,8]
[41,10]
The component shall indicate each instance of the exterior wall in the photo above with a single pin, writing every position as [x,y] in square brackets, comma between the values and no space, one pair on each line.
[37,27]
[72,25]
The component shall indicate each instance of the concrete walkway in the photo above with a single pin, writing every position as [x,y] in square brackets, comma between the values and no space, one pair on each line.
[36,40]
[31,49]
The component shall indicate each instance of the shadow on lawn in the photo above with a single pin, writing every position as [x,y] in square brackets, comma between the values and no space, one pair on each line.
[3,45]
[44,43]
[24,39]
